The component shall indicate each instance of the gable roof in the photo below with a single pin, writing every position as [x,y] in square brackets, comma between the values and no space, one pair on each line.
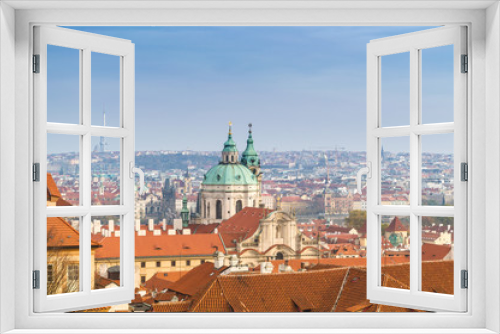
[242,225]
[432,252]
[60,234]
[288,292]
[396,226]
[196,279]
[52,188]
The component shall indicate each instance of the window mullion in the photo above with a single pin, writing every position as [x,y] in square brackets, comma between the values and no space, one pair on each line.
[414,167]
[86,173]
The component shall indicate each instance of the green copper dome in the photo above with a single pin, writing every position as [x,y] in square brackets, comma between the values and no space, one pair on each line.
[230,174]
[395,239]
[230,145]
[250,156]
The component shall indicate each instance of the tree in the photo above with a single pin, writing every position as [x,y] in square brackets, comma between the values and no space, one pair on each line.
[384,226]
[356,219]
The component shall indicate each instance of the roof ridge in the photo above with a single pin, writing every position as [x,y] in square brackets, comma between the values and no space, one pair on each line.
[341,289]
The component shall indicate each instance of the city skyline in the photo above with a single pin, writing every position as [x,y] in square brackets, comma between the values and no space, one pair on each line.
[197,79]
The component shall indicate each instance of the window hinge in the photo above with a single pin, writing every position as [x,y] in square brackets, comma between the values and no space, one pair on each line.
[465,64]
[465,279]
[36,63]
[464,171]
[36,172]
[36,279]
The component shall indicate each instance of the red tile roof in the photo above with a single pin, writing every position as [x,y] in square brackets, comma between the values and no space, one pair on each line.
[182,306]
[431,252]
[242,225]
[164,245]
[52,187]
[396,226]
[61,234]
[290,292]
[158,282]
[196,279]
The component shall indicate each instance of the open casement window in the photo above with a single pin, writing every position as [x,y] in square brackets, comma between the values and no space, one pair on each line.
[66,73]
[403,129]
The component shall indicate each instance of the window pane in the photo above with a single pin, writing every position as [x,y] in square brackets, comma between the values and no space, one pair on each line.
[437,84]
[437,169]
[106,251]
[395,261]
[437,254]
[395,89]
[105,90]
[395,171]
[63,255]
[106,171]
[63,85]
[63,170]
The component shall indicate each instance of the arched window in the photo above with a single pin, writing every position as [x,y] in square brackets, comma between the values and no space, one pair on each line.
[204,208]
[239,205]
[232,158]
[208,211]
[279,256]
[278,231]
[218,209]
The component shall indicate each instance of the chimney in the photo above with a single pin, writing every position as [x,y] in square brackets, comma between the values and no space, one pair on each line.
[233,261]
[449,227]
[186,231]
[137,225]
[97,226]
[111,225]
[171,232]
[284,267]
[266,267]
[164,224]
[218,260]
[151,224]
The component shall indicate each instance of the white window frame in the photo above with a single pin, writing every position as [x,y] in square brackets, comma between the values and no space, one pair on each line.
[413,44]
[84,130]
[483,20]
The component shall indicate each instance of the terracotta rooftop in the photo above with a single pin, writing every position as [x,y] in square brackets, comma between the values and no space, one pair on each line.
[328,290]
[61,234]
[290,292]
[431,252]
[196,279]
[396,226]
[182,306]
[158,282]
[242,225]
[164,245]
[52,188]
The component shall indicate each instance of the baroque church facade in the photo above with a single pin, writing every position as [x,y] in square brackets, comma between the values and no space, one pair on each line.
[231,185]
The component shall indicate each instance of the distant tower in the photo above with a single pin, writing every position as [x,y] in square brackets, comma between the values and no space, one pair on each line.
[102,141]
[251,159]
[185,212]
[188,188]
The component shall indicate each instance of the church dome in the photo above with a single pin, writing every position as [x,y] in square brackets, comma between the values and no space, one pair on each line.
[230,174]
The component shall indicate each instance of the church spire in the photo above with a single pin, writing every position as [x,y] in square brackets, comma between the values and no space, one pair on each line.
[250,157]
[230,153]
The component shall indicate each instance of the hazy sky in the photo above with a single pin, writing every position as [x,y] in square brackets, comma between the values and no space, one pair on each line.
[301,87]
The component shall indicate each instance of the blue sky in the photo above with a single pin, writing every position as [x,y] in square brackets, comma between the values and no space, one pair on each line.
[301,87]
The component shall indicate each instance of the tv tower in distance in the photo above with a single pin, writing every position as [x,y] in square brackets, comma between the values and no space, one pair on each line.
[102,140]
